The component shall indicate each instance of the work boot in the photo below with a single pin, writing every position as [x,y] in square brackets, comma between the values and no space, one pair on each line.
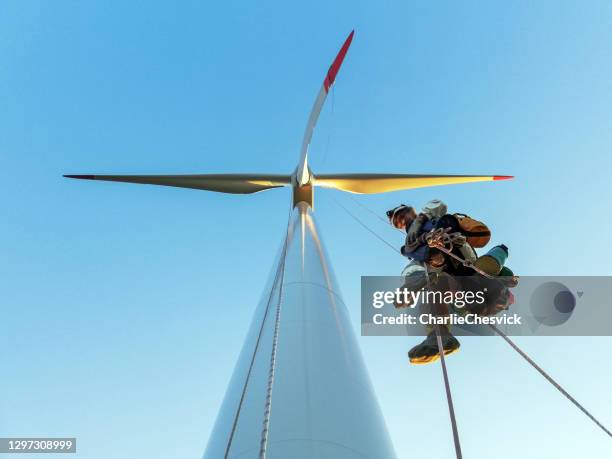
[427,351]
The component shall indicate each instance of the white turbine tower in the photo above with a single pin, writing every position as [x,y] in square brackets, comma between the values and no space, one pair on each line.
[300,389]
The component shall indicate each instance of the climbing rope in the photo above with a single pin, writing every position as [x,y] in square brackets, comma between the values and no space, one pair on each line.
[263,447]
[272,370]
[441,243]
[549,378]
[383,240]
[375,214]
[279,273]
[449,397]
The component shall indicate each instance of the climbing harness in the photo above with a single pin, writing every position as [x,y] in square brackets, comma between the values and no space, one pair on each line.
[442,240]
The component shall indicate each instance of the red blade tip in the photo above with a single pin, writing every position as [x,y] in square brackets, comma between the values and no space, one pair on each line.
[335,67]
[503,177]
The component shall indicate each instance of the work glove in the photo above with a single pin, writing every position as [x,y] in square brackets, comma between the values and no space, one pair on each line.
[458,239]
[412,233]
[438,238]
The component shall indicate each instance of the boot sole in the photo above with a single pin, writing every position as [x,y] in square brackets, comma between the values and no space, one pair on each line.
[424,360]
[427,359]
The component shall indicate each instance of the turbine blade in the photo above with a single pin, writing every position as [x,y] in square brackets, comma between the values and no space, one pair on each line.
[223,183]
[383,183]
[330,77]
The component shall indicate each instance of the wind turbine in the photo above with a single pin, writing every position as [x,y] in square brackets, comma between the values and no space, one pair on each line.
[300,388]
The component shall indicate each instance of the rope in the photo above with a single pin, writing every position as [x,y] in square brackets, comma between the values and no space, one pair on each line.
[272,370]
[385,221]
[384,241]
[271,373]
[449,397]
[281,269]
[549,378]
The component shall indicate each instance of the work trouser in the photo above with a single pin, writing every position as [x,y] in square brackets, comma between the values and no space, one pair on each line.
[494,292]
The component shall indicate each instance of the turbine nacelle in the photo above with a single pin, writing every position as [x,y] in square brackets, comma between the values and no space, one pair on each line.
[302,187]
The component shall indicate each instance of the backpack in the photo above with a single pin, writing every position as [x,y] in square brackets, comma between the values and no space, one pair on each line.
[477,233]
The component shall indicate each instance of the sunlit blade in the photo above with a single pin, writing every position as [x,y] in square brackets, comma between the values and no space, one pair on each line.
[330,77]
[383,183]
[223,183]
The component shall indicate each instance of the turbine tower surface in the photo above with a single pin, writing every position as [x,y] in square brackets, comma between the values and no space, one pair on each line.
[300,389]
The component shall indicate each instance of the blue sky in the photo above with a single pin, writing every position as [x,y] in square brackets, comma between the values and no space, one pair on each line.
[125,306]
